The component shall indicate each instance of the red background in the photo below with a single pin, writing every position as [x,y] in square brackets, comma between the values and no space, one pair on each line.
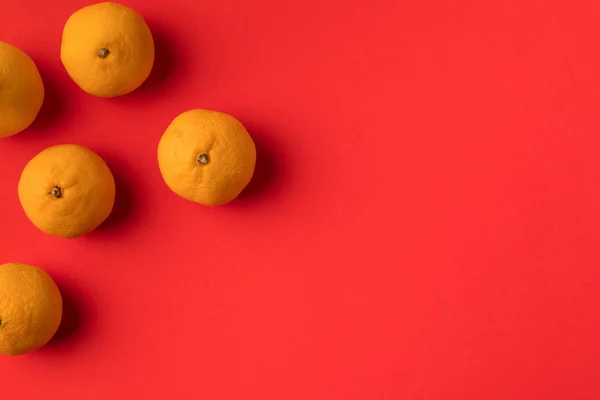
[423,223]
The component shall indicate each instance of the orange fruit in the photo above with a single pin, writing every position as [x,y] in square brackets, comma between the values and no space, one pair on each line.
[21,90]
[30,308]
[67,190]
[107,49]
[206,157]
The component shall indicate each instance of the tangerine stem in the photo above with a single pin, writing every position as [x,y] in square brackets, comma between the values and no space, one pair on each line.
[203,158]
[103,52]
[56,192]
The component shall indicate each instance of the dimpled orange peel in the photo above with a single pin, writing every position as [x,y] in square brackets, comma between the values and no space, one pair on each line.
[21,90]
[30,308]
[107,49]
[67,190]
[206,157]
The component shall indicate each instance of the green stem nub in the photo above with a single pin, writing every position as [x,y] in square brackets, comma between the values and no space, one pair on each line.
[103,52]
[56,192]
[203,158]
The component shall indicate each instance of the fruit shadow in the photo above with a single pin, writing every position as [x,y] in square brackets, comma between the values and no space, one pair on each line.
[73,322]
[124,198]
[53,105]
[269,173]
[167,61]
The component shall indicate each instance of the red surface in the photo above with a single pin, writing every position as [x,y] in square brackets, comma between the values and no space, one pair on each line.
[423,223]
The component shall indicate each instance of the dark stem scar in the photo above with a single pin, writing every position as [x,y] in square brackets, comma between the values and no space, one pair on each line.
[103,52]
[56,192]
[203,158]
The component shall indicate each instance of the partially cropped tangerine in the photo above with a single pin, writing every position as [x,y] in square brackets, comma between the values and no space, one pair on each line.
[67,190]
[30,308]
[21,90]
[206,157]
[107,49]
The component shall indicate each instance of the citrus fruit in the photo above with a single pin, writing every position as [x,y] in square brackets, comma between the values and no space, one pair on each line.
[30,308]
[206,157]
[107,49]
[21,90]
[67,190]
